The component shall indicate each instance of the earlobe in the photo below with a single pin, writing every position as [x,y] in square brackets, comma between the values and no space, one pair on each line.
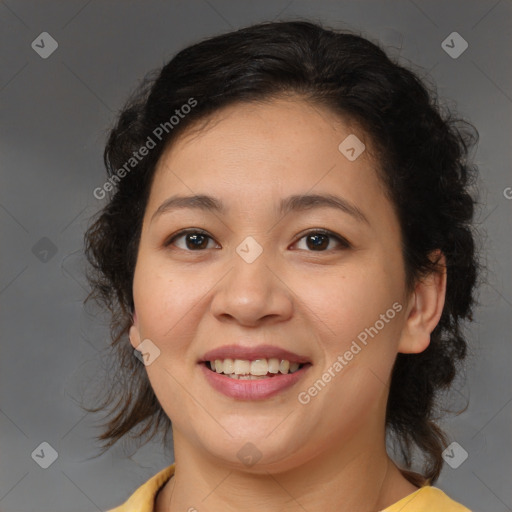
[425,309]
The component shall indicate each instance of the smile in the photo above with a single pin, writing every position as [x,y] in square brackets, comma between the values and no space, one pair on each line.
[252,380]
[256,369]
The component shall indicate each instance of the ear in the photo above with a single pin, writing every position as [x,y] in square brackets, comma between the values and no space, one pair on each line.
[424,309]
[135,337]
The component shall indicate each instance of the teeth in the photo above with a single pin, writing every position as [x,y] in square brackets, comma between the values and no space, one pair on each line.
[259,367]
[242,367]
[273,365]
[228,366]
[284,366]
[294,367]
[252,370]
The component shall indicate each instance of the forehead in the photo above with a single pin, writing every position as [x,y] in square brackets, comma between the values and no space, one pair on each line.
[281,139]
[248,154]
[290,119]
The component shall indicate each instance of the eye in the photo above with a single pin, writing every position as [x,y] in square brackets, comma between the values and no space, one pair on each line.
[318,240]
[195,239]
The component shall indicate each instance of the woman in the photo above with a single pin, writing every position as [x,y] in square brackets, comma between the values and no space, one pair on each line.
[288,251]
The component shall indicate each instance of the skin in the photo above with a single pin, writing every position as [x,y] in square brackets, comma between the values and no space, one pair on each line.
[326,455]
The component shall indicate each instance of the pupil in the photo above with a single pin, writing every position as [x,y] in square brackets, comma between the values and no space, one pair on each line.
[318,244]
[194,238]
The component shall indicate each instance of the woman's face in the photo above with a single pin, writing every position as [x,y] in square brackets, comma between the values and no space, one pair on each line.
[259,278]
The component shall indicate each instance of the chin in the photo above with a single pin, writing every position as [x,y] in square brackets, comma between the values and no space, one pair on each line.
[257,455]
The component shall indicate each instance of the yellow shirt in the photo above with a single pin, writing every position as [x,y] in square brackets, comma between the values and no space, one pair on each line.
[425,499]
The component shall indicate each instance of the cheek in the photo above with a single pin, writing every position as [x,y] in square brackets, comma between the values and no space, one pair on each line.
[166,315]
[169,306]
[160,297]
[349,301]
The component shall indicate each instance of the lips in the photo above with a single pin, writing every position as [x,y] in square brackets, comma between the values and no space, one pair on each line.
[256,388]
[262,389]
[253,353]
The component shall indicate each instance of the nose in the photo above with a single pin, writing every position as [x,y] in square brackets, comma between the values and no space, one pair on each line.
[252,294]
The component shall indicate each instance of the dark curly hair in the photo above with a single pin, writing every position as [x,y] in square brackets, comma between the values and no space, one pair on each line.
[423,153]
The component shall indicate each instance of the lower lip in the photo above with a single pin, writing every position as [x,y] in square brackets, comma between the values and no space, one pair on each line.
[252,389]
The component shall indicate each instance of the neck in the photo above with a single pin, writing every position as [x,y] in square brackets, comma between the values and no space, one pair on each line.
[352,477]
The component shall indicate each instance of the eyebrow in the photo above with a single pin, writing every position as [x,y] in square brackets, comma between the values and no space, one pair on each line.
[293,203]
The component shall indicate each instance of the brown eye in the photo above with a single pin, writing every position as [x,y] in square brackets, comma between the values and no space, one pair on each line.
[320,240]
[194,240]
[316,241]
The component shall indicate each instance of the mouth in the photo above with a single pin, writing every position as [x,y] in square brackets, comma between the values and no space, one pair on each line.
[257,369]
[252,373]
[251,380]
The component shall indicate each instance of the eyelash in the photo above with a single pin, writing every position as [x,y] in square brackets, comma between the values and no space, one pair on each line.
[319,231]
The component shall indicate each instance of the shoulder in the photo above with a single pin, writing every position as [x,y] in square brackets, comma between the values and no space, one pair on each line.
[427,499]
[143,499]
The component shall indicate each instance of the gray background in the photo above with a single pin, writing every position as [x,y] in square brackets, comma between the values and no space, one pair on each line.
[55,113]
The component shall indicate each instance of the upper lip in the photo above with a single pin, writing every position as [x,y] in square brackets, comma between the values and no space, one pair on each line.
[253,353]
